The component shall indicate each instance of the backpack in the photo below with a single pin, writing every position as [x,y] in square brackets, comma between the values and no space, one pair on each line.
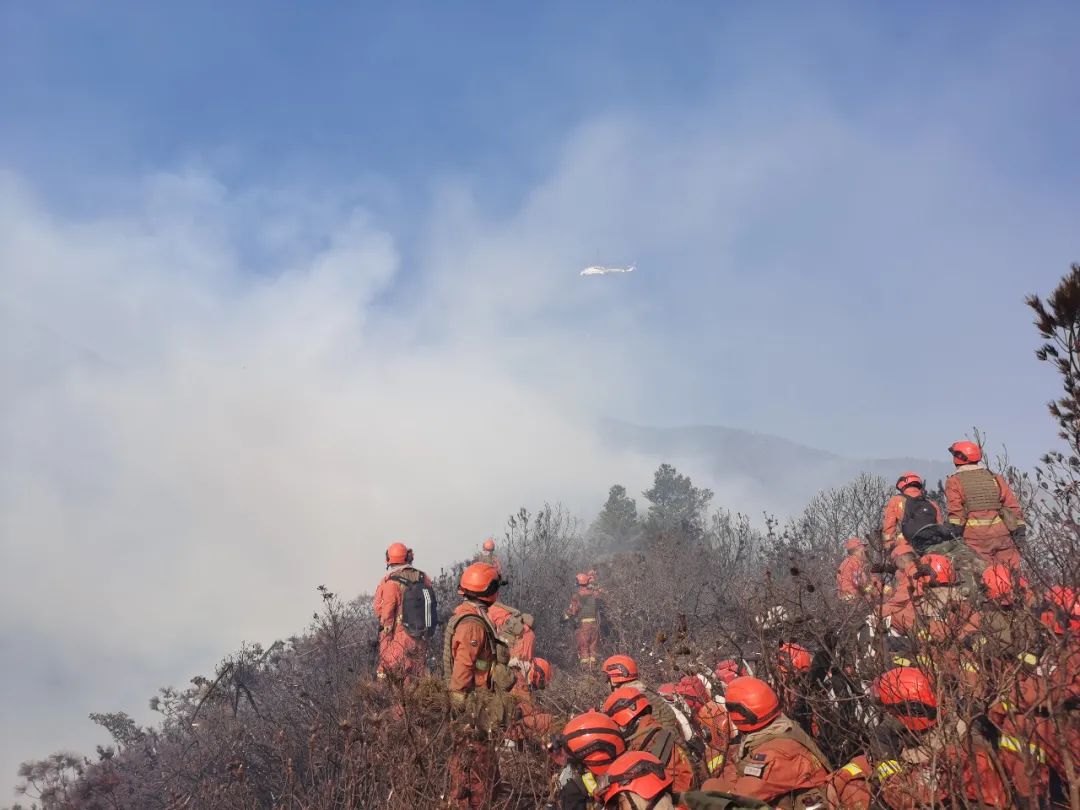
[419,607]
[919,514]
[719,800]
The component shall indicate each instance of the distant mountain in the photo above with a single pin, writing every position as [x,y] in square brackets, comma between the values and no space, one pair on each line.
[755,471]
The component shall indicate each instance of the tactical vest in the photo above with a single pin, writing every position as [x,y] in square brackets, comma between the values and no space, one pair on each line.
[588,609]
[981,492]
[655,740]
[501,677]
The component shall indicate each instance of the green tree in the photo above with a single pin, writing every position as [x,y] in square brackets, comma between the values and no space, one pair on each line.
[616,528]
[676,507]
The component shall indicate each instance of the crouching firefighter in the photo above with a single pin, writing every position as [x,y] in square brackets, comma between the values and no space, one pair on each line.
[479,679]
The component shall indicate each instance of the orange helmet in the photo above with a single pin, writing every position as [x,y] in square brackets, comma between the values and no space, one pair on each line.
[620,669]
[1062,610]
[941,570]
[794,658]
[626,705]
[582,579]
[965,453]
[906,693]
[728,670]
[751,703]
[540,673]
[1001,583]
[480,581]
[592,739]
[398,554]
[637,772]
[489,545]
[716,724]
[908,480]
[854,544]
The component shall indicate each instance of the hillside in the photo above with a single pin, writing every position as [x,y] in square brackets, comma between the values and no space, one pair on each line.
[765,471]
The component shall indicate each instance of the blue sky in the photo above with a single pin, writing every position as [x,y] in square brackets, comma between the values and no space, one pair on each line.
[276,270]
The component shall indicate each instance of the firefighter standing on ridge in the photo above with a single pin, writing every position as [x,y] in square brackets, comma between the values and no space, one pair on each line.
[585,608]
[984,506]
[400,653]
[487,555]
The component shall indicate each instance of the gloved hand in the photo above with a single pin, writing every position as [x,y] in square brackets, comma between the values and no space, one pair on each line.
[1020,533]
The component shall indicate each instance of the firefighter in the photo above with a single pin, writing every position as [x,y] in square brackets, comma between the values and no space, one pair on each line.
[487,555]
[516,628]
[773,759]
[475,664]
[637,781]
[585,609]
[984,506]
[587,746]
[535,722]
[400,654]
[717,731]
[621,670]
[853,578]
[911,490]
[631,711]
[925,762]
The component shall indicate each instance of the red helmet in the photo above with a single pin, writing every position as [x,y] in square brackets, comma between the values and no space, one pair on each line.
[620,669]
[1062,610]
[965,453]
[716,724]
[626,705]
[540,673]
[908,480]
[854,544]
[906,693]
[751,703]
[489,545]
[667,692]
[728,669]
[582,579]
[637,772]
[592,739]
[480,581]
[398,554]
[794,658]
[941,570]
[1001,583]
[692,691]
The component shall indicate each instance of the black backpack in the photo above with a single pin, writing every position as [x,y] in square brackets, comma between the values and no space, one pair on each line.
[419,608]
[919,514]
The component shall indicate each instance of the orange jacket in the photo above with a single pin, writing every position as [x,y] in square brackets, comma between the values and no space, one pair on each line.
[893,518]
[650,734]
[984,525]
[388,597]
[717,731]
[769,770]
[853,576]
[472,651]
[584,606]
[524,647]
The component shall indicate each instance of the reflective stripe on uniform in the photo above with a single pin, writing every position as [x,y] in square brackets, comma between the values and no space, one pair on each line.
[852,769]
[889,767]
[1016,745]
[586,621]
[1029,658]
[983,521]
[715,762]
[590,782]
[900,661]
[956,521]
[967,666]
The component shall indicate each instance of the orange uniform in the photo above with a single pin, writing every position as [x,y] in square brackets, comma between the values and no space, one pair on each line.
[472,649]
[894,516]
[653,738]
[774,764]
[399,653]
[853,577]
[519,626]
[975,499]
[717,731]
[585,607]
